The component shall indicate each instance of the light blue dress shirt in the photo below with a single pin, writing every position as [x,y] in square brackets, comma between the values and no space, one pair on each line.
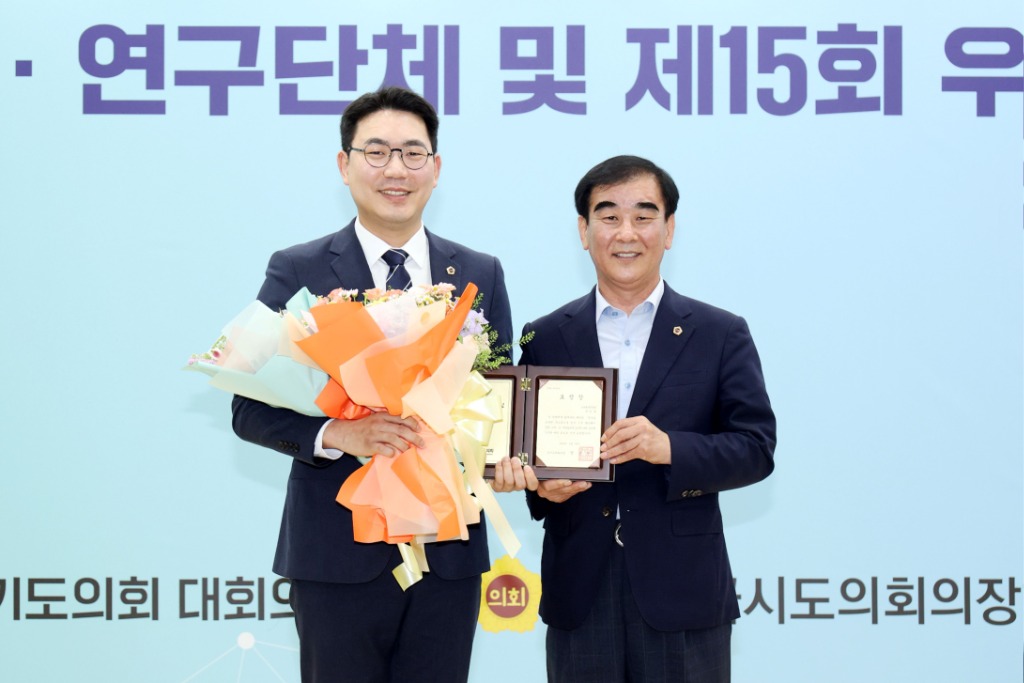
[623,339]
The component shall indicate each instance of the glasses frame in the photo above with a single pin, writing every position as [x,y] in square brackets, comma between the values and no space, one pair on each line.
[391,153]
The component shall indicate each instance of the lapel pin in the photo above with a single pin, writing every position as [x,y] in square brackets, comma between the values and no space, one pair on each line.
[677,330]
[451,270]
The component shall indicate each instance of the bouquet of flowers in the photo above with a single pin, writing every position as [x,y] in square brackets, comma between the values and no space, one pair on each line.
[256,356]
[411,353]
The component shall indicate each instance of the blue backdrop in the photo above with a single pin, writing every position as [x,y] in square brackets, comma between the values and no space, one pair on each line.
[851,179]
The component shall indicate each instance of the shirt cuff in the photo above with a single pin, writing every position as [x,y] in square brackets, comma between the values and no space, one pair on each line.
[318,446]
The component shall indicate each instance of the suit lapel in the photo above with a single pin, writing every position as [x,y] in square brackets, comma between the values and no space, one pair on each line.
[349,262]
[443,265]
[669,334]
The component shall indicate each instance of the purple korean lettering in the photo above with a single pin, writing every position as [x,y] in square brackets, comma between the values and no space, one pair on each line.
[151,61]
[544,89]
[219,81]
[350,57]
[426,68]
[394,42]
[984,87]
[735,41]
[863,69]
[647,77]
[451,69]
[769,61]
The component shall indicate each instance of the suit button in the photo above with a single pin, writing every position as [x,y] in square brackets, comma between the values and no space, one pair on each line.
[606,511]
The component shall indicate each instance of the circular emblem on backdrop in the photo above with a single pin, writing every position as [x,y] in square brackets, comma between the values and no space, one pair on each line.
[509,597]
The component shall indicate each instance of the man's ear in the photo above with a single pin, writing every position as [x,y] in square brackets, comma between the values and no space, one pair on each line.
[343,165]
[581,223]
[670,231]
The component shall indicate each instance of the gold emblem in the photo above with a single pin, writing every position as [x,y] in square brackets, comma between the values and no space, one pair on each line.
[509,597]
[451,270]
[677,330]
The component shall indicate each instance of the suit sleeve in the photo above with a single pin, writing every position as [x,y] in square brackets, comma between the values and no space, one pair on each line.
[527,357]
[739,450]
[498,310]
[280,429]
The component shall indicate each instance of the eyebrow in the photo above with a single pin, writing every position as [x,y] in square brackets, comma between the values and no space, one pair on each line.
[407,143]
[648,206]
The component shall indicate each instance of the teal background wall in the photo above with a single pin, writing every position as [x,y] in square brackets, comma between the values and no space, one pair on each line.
[877,256]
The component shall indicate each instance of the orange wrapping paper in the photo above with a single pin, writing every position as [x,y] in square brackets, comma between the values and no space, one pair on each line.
[419,493]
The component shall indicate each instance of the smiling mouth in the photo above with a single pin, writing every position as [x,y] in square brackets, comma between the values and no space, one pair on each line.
[395,193]
[627,254]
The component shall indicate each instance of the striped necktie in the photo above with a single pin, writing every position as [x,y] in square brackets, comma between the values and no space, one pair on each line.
[398,276]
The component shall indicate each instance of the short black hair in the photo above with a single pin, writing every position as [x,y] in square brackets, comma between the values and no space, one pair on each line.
[622,169]
[388,97]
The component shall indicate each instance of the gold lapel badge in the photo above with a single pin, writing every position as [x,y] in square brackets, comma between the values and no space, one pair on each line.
[677,330]
[451,270]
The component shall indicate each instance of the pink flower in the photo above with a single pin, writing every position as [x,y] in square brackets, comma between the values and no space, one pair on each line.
[373,294]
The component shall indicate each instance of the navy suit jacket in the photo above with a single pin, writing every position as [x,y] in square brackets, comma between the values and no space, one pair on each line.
[316,542]
[700,381]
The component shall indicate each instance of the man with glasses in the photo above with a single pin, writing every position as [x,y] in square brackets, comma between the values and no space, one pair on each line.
[354,621]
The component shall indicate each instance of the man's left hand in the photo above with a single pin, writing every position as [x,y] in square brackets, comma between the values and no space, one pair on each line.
[635,438]
[512,475]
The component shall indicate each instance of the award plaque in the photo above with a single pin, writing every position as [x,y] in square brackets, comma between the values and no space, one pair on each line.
[553,419]
[506,435]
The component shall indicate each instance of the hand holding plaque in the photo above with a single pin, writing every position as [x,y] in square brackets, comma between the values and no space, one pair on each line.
[553,420]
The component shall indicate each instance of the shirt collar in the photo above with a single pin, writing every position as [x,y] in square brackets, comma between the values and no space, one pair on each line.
[374,247]
[654,298]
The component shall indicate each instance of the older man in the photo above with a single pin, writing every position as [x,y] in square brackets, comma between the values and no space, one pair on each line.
[637,582]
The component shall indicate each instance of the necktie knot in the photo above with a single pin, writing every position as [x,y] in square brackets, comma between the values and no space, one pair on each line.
[395,257]
[398,276]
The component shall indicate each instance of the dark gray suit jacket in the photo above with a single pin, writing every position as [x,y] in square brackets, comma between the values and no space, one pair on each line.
[700,381]
[316,541]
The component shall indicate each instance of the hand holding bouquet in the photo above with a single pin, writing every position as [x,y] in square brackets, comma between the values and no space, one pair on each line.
[409,353]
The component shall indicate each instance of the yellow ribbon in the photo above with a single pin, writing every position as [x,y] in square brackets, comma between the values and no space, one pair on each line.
[475,412]
[473,415]
[414,563]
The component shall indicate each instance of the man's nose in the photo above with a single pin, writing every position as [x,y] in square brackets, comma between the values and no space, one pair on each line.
[628,231]
[395,165]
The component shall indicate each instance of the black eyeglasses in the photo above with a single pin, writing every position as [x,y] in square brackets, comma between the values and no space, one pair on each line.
[379,156]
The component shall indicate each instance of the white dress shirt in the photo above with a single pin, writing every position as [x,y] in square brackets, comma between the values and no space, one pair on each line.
[417,263]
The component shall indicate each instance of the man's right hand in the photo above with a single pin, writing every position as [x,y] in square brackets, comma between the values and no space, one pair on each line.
[560,490]
[376,434]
